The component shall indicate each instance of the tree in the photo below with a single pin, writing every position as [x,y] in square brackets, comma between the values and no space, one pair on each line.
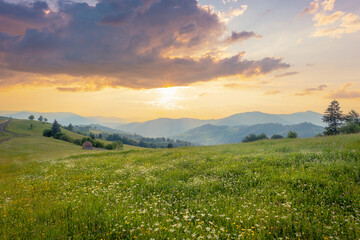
[55,128]
[70,127]
[31,117]
[45,119]
[352,117]
[47,133]
[292,134]
[100,136]
[170,145]
[333,117]
[277,136]
[40,118]
[252,137]
[352,124]
[92,136]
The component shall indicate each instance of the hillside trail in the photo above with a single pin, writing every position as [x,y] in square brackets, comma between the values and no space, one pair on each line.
[3,130]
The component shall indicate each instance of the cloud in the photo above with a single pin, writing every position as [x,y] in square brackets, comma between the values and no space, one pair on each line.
[239,86]
[344,92]
[135,44]
[241,36]
[313,8]
[203,94]
[231,13]
[331,24]
[229,1]
[322,19]
[309,91]
[287,74]
[273,92]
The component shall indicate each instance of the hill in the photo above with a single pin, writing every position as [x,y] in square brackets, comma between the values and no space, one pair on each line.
[24,141]
[167,127]
[163,127]
[213,135]
[65,118]
[272,189]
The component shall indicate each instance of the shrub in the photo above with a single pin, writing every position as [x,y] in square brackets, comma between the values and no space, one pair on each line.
[110,146]
[47,133]
[292,134]
[58,135]
[277,136]
[349,128]
[252,137]
[77,142]
[66,138]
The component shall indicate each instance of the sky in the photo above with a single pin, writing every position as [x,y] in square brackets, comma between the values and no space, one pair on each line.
[144,59]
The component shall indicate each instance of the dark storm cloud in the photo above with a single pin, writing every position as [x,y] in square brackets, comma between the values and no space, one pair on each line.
[131,43]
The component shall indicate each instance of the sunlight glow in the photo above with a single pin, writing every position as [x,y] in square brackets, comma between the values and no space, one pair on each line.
[169,98]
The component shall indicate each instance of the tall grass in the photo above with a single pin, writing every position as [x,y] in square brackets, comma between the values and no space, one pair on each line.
[273,189]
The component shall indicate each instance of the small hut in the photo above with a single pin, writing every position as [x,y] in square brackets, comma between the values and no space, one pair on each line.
[87,145]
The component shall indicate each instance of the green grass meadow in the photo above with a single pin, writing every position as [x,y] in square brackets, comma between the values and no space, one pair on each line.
[271,189]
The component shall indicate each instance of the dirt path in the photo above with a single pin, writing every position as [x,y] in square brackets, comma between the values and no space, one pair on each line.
[3,130]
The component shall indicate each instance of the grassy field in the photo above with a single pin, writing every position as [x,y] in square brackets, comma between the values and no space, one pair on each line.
[272,189]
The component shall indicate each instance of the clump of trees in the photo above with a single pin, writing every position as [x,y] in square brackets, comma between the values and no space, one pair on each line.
[252,137]
[292,134]
[146,142]
[56,133]
[277,136]
[55,130]
[339,123]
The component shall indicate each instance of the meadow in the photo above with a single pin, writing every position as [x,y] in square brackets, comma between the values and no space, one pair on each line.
[271,189]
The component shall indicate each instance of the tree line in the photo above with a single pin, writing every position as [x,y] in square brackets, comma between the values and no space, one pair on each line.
[338,122]
[56,133]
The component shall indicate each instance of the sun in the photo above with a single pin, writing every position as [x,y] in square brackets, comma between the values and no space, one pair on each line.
[168,92]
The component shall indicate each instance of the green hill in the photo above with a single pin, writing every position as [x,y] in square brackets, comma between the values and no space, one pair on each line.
[27,142]
[273,189]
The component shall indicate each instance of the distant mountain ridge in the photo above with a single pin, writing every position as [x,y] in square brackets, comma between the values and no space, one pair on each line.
[167,127]
[65,118]
[212,135]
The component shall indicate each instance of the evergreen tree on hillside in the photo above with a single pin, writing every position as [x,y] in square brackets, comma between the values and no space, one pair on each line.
[40,118]
[45,119]
[55,128]
[31,117]
[70,127]
[333,117]
[352,117]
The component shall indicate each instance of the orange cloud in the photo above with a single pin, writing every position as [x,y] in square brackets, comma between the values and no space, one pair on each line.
[309,91]
[345,91]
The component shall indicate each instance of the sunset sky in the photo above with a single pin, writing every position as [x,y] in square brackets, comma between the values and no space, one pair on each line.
[145,59]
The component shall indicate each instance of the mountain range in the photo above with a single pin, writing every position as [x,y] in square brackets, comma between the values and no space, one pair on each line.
[190,129]
[212,135]
[166,127]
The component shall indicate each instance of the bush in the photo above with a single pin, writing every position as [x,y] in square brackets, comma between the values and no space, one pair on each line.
[58,135]
[110,146]
[47,133]
[77,142]
[349,128]
[66,138]
[277,136]
[252,137]
[292,134]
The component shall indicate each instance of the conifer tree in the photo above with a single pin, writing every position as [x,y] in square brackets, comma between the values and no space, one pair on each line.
[333,117]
